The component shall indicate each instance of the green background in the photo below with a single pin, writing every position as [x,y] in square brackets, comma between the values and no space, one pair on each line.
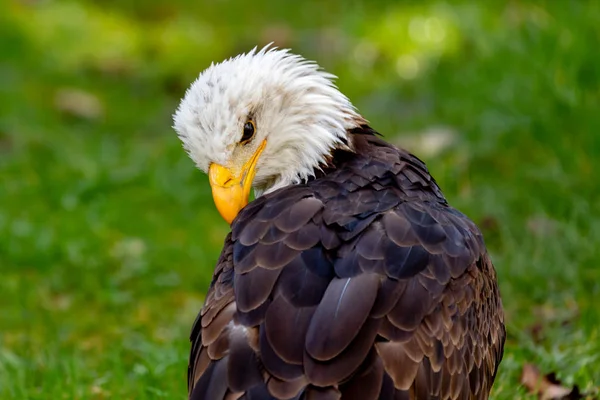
[108,234]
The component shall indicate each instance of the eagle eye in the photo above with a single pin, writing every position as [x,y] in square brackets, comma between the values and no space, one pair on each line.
[248,133]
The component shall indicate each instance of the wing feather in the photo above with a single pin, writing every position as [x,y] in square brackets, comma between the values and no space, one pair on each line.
[339,317]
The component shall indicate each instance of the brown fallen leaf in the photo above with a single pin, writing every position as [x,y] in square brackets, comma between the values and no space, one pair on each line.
[546,387]
[552,315]
[541,226]
[6,144]
[490,225]
[429,142]
[537,332]
[280,34]
[78,103]
[561,313]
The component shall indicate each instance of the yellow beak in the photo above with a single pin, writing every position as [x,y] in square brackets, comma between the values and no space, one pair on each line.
[231,191]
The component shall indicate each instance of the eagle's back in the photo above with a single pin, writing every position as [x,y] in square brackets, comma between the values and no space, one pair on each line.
[360,284]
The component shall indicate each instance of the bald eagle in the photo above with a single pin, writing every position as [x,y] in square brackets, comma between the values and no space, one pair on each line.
[349,276]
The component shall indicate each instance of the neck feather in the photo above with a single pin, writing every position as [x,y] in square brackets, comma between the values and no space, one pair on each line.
[326,162]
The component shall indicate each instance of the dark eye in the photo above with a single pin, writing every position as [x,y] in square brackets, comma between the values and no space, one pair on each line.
[248,132]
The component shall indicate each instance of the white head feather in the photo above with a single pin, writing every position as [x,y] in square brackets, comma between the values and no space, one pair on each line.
[295,107]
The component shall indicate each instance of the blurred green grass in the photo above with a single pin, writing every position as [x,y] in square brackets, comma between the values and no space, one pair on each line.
[108,235]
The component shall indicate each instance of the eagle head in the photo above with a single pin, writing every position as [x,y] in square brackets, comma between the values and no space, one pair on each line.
[264,120]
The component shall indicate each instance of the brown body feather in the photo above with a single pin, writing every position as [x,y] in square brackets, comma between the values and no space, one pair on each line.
[360,284]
